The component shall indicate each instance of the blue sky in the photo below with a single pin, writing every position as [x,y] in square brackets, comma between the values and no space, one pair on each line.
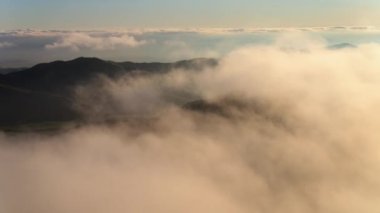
[90,14]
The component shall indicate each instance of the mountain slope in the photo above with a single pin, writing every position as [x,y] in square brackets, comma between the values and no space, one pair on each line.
[59,75]
[43,93]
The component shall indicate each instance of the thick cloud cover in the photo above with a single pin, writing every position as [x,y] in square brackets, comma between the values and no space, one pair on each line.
[298,133]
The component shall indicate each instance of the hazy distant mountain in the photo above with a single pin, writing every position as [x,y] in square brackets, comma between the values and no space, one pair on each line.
[42,93]
[342,46]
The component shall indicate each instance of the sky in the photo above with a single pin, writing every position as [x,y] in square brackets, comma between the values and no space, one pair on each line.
[90,14]
[36,31]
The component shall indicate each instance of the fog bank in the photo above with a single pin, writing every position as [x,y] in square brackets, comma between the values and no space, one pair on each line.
[293,127]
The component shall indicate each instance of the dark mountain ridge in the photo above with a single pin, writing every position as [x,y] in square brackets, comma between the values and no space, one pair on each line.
[43,93]
[60,75]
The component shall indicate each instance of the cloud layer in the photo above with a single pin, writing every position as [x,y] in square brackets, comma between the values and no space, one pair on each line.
[299,133]
[75,41]
[29,47]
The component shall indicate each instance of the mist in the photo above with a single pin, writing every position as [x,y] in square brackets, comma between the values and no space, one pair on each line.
[288,127]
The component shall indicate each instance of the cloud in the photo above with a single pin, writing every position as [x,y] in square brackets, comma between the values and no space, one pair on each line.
[6,44]
[75,41]
[32,46]
[141,31]
[301,135]
[179,50]
[298,133]
[243,30]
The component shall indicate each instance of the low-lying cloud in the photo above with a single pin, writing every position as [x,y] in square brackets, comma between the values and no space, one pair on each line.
[298,133]
[76,41]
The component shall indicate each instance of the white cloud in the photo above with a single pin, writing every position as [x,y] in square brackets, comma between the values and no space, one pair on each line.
[302,138]
[76,41]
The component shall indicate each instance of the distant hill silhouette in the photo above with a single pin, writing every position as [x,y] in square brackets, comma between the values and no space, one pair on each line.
[59,75]
[42,93]
[341,46]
